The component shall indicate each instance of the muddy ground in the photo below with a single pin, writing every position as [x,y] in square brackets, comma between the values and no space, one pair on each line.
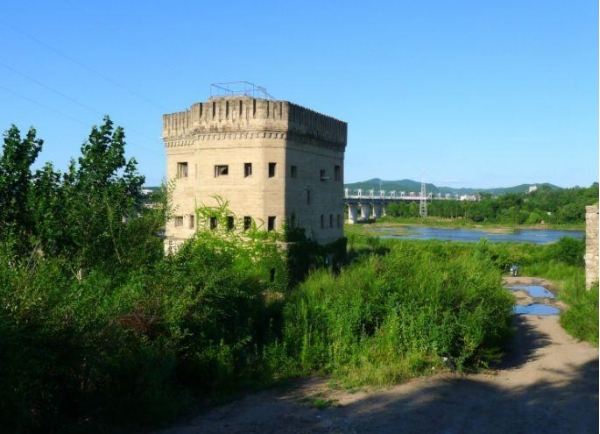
[548,383]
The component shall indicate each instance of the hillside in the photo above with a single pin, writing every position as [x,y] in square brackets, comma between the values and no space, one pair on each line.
[409,185]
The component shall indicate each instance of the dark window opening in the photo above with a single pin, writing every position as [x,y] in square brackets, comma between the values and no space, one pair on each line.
[272,167]
[271,223]
[272,274]
[337,173]
[182,170]
[191,222]
[330,220]
[213,222]
[294,171]
[247,222]
[230,223]
[247,169]
[221,170]
[308,197]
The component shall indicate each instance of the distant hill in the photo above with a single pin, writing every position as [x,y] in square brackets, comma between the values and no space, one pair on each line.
[409,185]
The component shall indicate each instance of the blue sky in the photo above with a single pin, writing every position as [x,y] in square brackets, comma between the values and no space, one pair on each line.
[477,94]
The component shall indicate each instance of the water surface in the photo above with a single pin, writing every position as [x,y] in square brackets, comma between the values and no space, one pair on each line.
[533,290]
[535,236]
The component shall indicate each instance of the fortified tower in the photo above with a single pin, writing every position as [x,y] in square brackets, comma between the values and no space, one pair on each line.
[274,162]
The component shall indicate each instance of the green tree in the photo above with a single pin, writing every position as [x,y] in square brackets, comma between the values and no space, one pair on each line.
[15,181]
[102,193]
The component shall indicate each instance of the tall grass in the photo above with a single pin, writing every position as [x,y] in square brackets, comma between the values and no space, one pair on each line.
[391,317]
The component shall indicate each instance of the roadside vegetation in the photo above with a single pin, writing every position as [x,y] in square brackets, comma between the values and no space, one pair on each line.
[100,332]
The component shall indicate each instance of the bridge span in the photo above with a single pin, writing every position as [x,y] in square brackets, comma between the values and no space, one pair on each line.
[368,204]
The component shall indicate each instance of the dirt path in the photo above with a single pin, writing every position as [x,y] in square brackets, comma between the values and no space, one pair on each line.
[547,384]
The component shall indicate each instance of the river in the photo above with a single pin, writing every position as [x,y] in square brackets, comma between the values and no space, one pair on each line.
[535,236]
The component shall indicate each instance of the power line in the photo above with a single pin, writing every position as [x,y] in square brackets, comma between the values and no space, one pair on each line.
[79,121]
[57,92]
[82,65]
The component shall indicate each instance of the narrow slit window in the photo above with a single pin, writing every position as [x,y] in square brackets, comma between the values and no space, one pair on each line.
[271,223]
[330,220]
[191,221]
[247,170]
[294,171]
[213,222]
[221,170]
[337,173]
[272,169]
[230,223]
[247,222]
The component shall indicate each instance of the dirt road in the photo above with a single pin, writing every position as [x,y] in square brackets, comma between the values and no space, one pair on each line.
[547,384]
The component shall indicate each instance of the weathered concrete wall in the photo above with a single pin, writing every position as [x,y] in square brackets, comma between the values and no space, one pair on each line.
[591,245]
[282,163]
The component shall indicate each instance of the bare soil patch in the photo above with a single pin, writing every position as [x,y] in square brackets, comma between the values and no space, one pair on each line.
[548,383]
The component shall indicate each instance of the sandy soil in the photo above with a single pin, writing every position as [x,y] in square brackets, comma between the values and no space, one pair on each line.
[548,383]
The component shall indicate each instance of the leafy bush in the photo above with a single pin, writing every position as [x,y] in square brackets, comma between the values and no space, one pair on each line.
[399,314]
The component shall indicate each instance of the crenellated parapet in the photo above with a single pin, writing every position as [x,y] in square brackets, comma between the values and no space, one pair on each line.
[237,116]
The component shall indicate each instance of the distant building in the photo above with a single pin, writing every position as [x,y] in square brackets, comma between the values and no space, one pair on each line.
[273,161]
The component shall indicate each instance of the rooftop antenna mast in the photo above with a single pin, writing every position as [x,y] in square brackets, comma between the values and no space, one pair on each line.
[423,199]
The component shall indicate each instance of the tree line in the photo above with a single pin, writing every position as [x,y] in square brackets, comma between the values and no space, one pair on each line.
[545,205]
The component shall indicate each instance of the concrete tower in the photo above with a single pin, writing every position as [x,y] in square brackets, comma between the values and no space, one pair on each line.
[273,161]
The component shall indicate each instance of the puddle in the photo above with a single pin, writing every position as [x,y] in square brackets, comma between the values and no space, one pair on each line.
[536,309]
[533,291]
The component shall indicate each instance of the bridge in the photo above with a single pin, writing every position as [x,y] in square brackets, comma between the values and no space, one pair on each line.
[372,204]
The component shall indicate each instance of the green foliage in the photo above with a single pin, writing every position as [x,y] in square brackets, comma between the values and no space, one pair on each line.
[399,314]
[545,205]
[15,184]
[581,318]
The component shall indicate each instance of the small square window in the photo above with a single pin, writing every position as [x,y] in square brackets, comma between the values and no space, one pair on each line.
[221,170]
[323,175]
[247,222]
[247,170]
[271,223]
[182,170]
[178,221]
[294,171]
[272,167]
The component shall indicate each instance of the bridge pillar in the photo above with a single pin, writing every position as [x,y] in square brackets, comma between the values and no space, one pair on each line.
[365,211]
[352,213]
[377,210]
